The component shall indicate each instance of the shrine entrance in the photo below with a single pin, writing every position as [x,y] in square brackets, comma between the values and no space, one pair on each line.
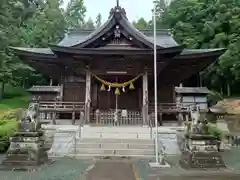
[117,100]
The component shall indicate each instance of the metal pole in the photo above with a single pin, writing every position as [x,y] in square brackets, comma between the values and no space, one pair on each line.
[155,83]
[116,110]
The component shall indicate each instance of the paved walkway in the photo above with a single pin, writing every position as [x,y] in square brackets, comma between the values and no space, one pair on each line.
[111,170]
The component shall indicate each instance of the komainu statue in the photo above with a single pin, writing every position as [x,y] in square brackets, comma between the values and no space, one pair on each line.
[200,149]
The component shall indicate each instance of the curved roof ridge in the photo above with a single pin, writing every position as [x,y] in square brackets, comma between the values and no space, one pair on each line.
[118,16]
[85,38]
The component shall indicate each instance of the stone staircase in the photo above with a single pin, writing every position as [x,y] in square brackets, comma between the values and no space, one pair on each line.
[114,147]
[121,141]
[130,141]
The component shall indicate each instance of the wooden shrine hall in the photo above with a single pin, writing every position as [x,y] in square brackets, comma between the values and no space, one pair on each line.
[108,72]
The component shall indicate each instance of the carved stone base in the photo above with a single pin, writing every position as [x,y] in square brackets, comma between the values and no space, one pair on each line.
[201,160]
[26,152]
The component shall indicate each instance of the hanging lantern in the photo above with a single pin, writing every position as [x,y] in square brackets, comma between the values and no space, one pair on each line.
[102,88]
[109,88]
[123,89]
[131,86]
[117,91]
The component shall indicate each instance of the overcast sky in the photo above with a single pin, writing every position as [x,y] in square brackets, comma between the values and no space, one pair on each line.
[135,8]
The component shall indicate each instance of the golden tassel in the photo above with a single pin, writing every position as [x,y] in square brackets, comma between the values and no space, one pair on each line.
[131,86]
[102,88]
[117,92]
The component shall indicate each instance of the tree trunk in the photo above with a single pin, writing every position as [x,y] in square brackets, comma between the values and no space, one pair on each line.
[228,90]
[23,83]
[2,90]
[221,89]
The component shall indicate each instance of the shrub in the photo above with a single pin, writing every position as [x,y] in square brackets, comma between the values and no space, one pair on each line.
[8,125]
[215,131]
[214,97]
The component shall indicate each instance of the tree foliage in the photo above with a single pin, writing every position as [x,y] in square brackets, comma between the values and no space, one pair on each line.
[209,24]
[75,13]
[32,23]
[98,20]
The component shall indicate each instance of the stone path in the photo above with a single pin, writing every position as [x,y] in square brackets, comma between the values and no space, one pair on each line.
[111,170]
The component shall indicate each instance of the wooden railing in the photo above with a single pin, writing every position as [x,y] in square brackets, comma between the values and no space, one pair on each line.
[169,107]
[53,106]
[109,117]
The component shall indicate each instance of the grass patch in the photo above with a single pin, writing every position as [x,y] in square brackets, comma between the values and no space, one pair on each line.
[11,92]
[13,103]
[14,97]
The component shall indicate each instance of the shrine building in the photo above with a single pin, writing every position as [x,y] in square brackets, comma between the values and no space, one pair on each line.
[108,73]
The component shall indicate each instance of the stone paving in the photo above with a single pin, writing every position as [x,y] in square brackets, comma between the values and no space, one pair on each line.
[111,170]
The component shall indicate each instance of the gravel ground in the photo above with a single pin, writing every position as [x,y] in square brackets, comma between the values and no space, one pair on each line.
[72,169]
[231,158]
[62,169]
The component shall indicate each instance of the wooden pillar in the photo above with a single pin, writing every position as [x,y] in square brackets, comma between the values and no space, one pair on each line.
[62,80]
[87,97]
[145,99]
[51,82]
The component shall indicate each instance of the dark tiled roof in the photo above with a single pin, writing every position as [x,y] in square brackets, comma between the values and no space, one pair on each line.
[195,90]
[164,37]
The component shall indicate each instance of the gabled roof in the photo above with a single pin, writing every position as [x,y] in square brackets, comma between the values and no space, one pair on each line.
[118,18]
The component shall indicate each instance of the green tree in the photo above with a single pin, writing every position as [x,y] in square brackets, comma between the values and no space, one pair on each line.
[75,13]
[209,24]
[89,25]
[26,23]
[98,20]
[141,24]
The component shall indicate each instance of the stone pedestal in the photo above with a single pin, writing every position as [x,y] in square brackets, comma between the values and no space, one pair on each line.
[27,149]
[201,151]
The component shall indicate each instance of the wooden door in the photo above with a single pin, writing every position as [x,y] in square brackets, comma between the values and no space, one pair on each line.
[74,92]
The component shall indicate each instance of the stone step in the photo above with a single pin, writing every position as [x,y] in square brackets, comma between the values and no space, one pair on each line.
[115,145]
[106,155]
[127,152]
[115,136]
[128,141]
[114,129]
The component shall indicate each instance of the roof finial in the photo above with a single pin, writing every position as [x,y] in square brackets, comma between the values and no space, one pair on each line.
[117,3]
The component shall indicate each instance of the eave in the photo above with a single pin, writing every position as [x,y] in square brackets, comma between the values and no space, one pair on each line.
[184,66]
[201,53]
[115,51]
[34,52]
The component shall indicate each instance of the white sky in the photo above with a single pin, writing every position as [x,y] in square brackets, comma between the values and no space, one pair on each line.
[135,9]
